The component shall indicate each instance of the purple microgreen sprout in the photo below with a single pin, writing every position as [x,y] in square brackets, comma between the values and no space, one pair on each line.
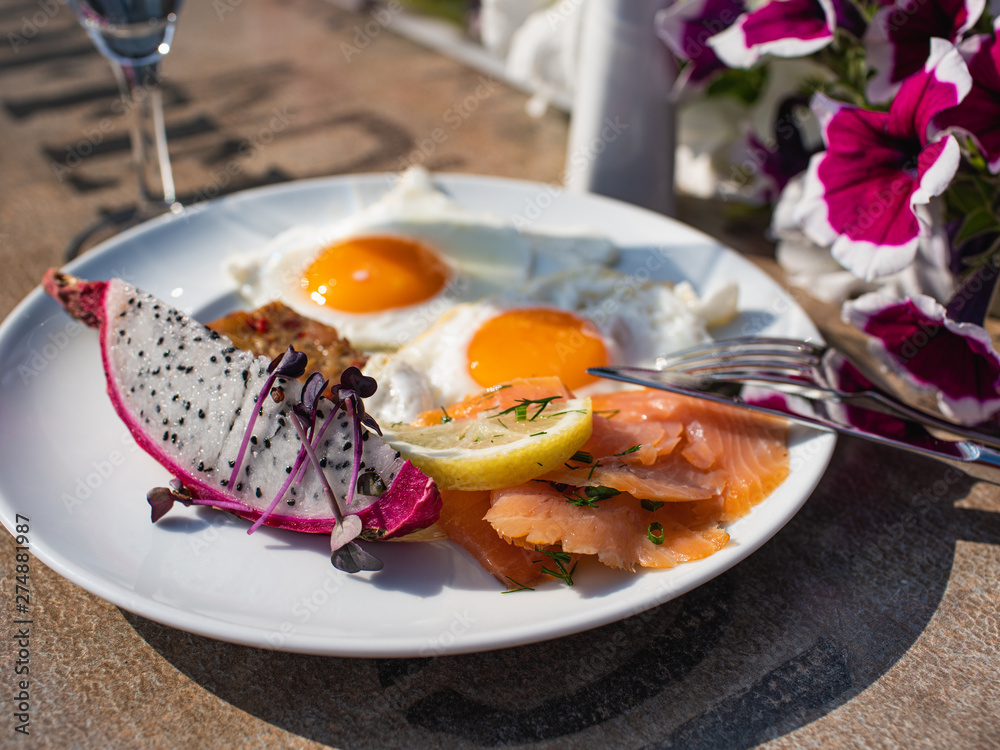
[346,554]
[290,365]
[307,407]
[353,558]
[353,387]
[302,430]
[162,499]
[309,397]
[299,461]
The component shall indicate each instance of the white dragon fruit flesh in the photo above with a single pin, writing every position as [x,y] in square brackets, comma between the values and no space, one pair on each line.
[186,394]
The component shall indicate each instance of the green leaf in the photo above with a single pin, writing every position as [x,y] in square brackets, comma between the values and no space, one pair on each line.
[744,85]
[979,222]
[964,197]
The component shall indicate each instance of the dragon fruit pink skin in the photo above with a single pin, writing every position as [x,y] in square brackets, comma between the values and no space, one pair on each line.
[193,425]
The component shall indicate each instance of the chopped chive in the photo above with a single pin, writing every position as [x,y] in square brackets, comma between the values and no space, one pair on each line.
[582,457]
[633,449]
[656,533]
[651,504]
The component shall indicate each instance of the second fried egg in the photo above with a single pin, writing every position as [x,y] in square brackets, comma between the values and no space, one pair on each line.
[558,325]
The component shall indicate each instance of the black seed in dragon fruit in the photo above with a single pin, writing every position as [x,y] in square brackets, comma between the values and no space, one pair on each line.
[187,394]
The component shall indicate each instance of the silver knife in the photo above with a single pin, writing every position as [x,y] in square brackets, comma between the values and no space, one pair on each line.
[823,413]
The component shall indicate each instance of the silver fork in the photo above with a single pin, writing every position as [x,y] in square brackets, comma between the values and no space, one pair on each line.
[806,368]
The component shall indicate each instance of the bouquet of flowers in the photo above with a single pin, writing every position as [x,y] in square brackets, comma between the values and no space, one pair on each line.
[882,165]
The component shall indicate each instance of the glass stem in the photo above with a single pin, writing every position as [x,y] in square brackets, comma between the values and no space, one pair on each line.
[142,95]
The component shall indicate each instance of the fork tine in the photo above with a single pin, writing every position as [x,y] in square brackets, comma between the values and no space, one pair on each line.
[734,347]
[748,365]
[738,354]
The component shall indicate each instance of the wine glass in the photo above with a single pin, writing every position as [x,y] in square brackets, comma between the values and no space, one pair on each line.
[134,35]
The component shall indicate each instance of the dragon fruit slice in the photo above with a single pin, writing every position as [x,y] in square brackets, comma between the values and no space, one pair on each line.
[186,394]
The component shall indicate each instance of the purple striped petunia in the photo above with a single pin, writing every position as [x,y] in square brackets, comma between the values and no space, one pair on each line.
[782,28]
[850,18]
[863,193]
[954,361]
[686,26]
[978,114]
[898,39]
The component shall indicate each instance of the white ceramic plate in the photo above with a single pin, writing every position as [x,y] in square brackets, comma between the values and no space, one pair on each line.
[69,466]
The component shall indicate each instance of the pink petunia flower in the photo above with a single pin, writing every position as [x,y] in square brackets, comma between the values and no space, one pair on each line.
[978,114]
[916,340]
[898,39]
[782,28]
[863,193]
[687,25]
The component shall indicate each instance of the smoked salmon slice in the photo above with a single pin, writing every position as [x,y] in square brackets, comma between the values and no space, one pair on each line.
[463,520]
[536,514]
[749,448]
[498,397]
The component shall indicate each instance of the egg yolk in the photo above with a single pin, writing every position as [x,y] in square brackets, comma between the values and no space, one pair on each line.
[535,343]
[369,274]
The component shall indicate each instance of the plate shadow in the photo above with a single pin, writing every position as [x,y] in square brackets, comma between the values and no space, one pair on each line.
[806,623]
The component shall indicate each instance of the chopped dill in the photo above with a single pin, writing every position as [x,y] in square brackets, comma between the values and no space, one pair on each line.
[591,496]
[521,407]
[560,558]
[516,587]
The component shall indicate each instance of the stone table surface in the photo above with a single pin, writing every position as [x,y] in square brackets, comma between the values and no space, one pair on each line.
[871,620]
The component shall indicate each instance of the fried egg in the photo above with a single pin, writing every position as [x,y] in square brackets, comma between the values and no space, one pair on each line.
[385,274]
[559,324]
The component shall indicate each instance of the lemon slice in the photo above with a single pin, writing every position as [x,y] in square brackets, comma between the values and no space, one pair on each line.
[498,448]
